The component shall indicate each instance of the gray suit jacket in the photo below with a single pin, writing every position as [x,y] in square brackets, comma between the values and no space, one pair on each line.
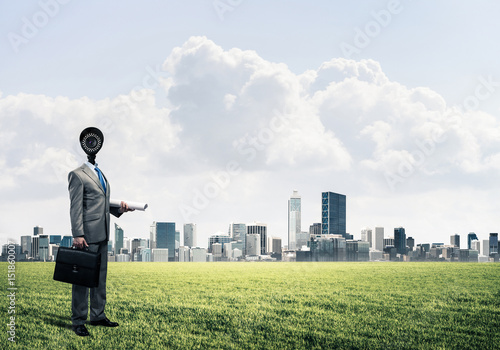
[89,209]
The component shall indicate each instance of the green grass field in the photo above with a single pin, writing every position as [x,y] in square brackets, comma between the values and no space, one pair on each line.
[267,306]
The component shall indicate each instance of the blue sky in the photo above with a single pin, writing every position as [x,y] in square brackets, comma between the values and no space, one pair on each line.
[436,54]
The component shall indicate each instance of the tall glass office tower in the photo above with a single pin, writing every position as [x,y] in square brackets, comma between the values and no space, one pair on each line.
[166,238]
[190,235]
[238,232]
[333,214]
[118,239]
[471,237]
[260,229]
[400,240]
[294,223]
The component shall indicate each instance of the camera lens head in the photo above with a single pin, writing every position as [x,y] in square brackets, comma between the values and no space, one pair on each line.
[91,140]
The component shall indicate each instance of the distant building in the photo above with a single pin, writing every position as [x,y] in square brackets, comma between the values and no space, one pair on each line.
[302,239]
[55,239]
[118,239]
[294,220]
[455,240]
[37,231]
[166,238]
[189,235]
[184,254]
[122,257]
[410,243]
[136,243]
[159,255]
[379,238]
[216,250]
[199,254]
[467,255]
[475,245]
[43,249]
[366,236]
[26,245]
[388,242]
[471,237]
[238,232]
[152,236]
[253,244]
[357,251]
[486,247]
[493,244]
[261,230]
[145,254]
[276,245]
[34,246]
[333,214]
[67,241]
[328,248]
[315,229]
[220,239]
[400,240]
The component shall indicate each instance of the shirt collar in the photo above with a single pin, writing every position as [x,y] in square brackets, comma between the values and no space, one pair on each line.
[91,166]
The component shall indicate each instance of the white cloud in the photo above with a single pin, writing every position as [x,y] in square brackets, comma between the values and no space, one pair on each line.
[342,127]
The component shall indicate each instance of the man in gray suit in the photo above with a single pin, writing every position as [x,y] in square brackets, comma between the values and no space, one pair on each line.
[89,210]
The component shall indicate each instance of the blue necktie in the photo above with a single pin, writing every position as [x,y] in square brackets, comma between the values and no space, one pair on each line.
[101,178]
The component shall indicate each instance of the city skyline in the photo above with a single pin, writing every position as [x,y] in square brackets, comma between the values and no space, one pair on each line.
[215,116]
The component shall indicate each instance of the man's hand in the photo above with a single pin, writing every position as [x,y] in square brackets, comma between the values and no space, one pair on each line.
[79,242]
[124,207]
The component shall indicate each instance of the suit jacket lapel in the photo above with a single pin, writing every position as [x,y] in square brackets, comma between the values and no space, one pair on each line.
[94,177]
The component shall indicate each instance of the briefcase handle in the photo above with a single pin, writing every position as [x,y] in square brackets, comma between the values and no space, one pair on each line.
[84,248]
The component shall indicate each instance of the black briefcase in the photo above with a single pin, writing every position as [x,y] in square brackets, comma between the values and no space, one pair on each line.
[77,266]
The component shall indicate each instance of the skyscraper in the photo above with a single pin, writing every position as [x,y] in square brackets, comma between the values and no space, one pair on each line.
[471,237]
[37,231]
[118,239]
[239,233]
[493,243]
[165,238]
[26,245]
[455,240]
[190,235]
[55,239]
[333,213]
[34,246]
[400,240]
[253,244]
[379,239]
[410,243]
[43,248]
[315,229]
[367,236]
[486,247]
[260,229]
[294,220]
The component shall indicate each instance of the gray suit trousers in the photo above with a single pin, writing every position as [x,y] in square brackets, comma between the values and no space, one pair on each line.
[80,299]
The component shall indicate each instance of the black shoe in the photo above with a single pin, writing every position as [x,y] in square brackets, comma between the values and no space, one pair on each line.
[81,330]
[104,322]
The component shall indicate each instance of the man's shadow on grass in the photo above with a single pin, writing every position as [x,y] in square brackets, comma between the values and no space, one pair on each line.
[56,320]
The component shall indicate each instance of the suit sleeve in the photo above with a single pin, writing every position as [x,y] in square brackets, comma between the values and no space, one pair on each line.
[75,188]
